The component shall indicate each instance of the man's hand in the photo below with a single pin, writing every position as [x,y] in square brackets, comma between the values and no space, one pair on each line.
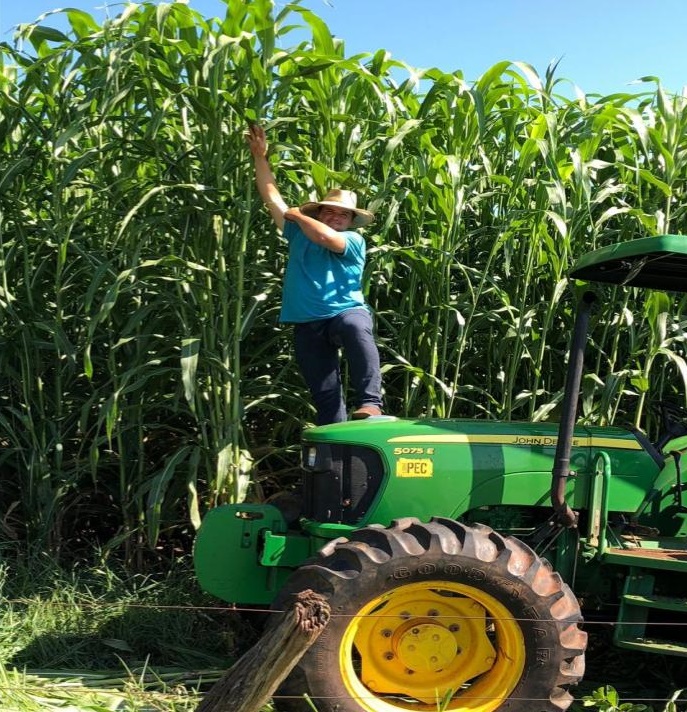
[293,214]
[257,141]
[267,186]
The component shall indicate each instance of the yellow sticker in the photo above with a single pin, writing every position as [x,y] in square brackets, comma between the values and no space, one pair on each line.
[415,467]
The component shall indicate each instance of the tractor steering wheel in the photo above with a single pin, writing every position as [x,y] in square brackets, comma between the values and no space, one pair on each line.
[673,421]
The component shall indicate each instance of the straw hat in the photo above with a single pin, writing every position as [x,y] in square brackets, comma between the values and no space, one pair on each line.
[338,198]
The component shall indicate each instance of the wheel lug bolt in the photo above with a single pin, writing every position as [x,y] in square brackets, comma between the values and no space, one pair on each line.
[415,631]
[405,615]
[388,656]
[386,633]
[454,628]
[433,613]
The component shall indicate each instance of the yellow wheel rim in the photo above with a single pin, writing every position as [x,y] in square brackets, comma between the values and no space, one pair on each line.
[432,642]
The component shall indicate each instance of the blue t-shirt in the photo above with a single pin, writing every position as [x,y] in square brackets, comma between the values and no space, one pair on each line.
[319,283]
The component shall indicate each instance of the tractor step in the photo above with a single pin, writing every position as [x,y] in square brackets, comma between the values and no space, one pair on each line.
[647,645]
[645,619]
[663,603]
[648,557]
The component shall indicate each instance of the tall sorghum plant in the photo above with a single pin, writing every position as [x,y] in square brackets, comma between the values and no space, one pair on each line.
[143,371]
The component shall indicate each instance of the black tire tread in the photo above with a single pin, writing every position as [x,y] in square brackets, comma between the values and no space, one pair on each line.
[344,568]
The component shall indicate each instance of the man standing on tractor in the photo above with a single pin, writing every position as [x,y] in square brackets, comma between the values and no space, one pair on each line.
[322,293]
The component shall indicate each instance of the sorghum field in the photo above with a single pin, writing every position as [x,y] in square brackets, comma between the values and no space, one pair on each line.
[144,377]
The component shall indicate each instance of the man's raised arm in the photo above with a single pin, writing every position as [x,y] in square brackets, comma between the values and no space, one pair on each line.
[264,178]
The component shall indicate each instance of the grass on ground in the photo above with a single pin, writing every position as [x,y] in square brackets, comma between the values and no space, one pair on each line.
[99,639]
[95,638]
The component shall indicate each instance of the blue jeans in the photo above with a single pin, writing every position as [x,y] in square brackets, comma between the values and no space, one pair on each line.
[317,354]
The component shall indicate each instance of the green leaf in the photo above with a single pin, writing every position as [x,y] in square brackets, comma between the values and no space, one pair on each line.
[82,23]
[641,383]
[190,349]
[41,33]
[157,488]
[250,314]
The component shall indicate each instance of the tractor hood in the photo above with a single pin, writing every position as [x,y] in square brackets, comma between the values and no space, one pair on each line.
[384,468]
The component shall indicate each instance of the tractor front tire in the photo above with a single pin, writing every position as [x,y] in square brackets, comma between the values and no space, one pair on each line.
[436,615]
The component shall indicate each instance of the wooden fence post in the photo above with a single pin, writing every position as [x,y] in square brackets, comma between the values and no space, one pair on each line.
[249,684]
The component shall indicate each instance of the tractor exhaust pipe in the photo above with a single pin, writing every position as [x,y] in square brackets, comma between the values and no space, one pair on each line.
[561,468]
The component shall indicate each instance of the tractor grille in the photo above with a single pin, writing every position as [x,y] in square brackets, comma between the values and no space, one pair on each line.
[340,482]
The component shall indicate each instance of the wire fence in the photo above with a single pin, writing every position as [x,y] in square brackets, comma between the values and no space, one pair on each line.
[252,610]
[186,686]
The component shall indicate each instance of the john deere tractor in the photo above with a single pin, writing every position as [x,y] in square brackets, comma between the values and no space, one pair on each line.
[456,554]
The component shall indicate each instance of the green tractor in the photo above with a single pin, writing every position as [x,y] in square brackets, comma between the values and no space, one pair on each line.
[457,555]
